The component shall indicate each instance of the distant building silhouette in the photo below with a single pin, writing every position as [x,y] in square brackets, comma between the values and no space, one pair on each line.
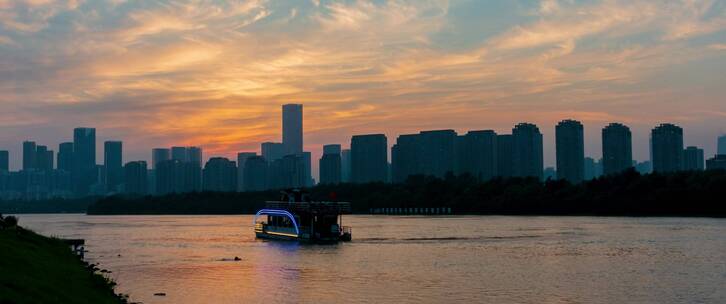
[617,149]
[44,159]
[135,178]
[65,156]
[159,155]
[194,169]
[721,145]
[29,155]
[437,152]
[112,162]
[292,128]
[85,172]
[693,159]
[345,162]
[527,155]
[369,158]
[593,169]
[505,148]
[476,154]
[307,158]
[220,174]
[272,151]
[570,151]
[180,154]
[255,174]
[4,161]
[288,172]
[718,162]
[241,161]
[405,157]
[666,148]
[170,177]
[330,165]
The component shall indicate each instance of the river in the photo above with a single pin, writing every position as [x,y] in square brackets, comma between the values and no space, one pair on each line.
[409,259]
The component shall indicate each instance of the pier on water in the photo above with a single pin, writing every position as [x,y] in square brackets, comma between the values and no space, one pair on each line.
[412,211]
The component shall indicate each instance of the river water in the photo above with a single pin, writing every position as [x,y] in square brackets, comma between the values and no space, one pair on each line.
[465,259]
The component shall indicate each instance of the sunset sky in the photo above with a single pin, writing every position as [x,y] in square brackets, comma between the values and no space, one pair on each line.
[214,74]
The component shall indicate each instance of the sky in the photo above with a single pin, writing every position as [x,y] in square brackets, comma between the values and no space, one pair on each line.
[215,73]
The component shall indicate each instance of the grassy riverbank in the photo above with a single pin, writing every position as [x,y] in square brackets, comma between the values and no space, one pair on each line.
[37,269]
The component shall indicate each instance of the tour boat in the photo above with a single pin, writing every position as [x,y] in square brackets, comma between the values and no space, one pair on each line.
[295,218]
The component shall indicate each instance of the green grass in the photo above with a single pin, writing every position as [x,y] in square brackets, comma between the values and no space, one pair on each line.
[37,269]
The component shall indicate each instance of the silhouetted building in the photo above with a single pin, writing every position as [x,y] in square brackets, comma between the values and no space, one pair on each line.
[693,158]
[4,161]
[307,168]
[721,149]
[194,169]
[330,165]
[241,161]
[29,155]
[666,148]
[44,159]
[437,151]
[592,168]
[136,178]
[170,177]
[180,154]
[369,158]
[113,165]
[617,149]
[84,170]
[570,150]
[159,155]
[272,151]
[220,174]
[505,148]
[65,156]
[345,165]
[476,154]
[288,172]
[718,162]
[292,128]
[405,158]
[255,174]
[527,155]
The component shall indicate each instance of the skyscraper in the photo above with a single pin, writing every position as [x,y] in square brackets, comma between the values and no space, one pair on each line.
[220,175]
[345,165]
[194,169]
[84,171]
[505,166]
[288,172]
[330,165]
[180,154]
[292,128]
[718,162]
[43,159]
[437,152]
[65,156]
[241,161]
[666,150]
[527,158]
[721,145]
[255,174]
[570,148]
[369,158]
[617,149]
[272,151]
[476,154]
[404,157]
[693,159]
[159,155]
[113,165]
[29,155]
[170,177]
[4,161]
[135,178]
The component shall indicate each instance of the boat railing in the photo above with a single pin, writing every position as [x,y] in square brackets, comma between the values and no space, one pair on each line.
[332,207]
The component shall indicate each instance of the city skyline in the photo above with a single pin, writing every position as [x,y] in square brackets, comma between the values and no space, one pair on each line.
[163,74]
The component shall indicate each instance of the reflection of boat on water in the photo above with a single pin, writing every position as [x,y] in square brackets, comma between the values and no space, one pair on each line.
[295,217]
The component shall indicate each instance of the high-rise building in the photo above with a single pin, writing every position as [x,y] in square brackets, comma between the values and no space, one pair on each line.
[255,174]
[721,145]
[159,155]
[330,165]
[136,178]
[476,154]
[437,152]
[241,160]
[44,159]
[65,156]
[84,170]
[307,159]
[272,151]
[170,177]
[345,165]
[527,158]
[180,154]
[405,157]
[693,159]
[666,150]
[292,128]
[369,158]
[220,174]
[287,172]
[29,155]
[194,169]
[570,148]
[505,165]
[4,161]
[617,149]
[113,165]
[718,162]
